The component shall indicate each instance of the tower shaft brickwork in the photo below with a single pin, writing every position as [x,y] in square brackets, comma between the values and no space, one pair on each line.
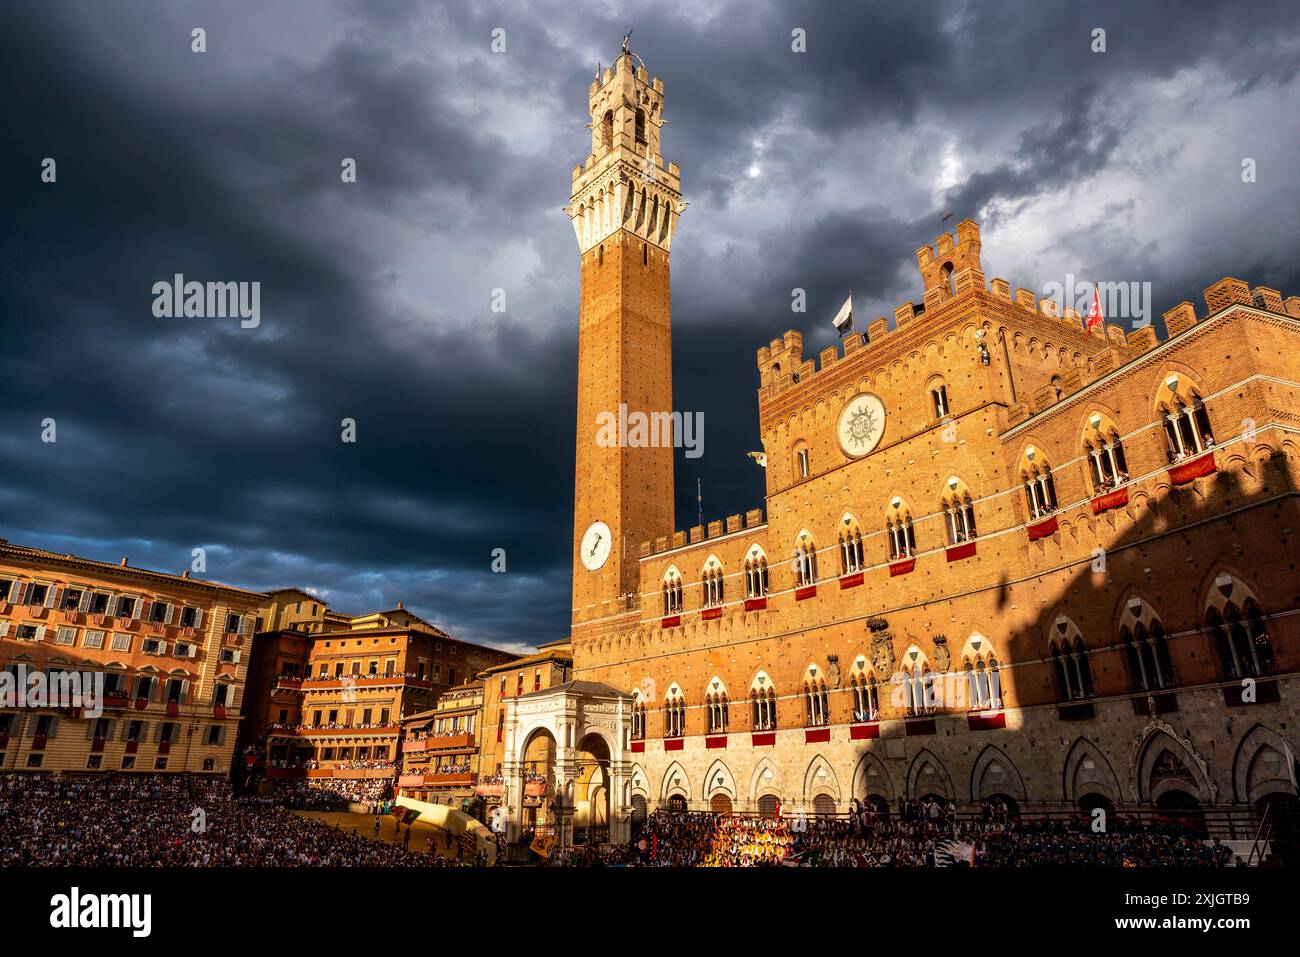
[624,207]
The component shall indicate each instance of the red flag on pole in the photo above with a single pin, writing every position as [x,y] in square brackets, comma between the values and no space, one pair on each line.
[1094,314]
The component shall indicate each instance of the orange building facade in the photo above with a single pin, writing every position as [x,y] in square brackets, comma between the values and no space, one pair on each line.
[440,750]
[999,556]
[333,691]
[168,652]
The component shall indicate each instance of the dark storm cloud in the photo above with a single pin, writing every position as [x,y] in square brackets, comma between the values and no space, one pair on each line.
[820,171]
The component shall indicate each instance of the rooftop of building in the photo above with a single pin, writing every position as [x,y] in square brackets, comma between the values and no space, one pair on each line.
[564,655]
[9,549]
[294,590]
[579,687]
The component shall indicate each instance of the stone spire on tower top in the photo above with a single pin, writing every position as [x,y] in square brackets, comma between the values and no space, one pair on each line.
[625,183]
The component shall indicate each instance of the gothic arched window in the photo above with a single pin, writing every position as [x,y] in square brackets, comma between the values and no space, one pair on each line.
[1150,668]
[1040,490]
[901,538]
[866,698]
[717,710]
[816,702]
[672,592]
[850,546]
[674,713]
[638,717]
[762,700]
[711,585]
[1241,639]
[983,682]
[1107,466]
[756,574]
[607,130]
[959,512]
[1185,418]
[805,561]
[1073,673]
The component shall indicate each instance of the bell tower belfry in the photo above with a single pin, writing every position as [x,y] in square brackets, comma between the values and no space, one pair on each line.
[624,207]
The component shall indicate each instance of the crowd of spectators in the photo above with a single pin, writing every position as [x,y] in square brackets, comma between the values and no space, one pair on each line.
[1207,442]
[924,834]
[449,767]
[172,821]
[182,820]
[353,764]
[328,794]
[358,676]
[530,777]
[1108,482]
[331,725]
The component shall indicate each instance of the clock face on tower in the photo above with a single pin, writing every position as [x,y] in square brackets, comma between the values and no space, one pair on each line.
[596,541]
[862,423]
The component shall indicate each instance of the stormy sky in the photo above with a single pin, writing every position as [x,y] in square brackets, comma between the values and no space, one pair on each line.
[822,170]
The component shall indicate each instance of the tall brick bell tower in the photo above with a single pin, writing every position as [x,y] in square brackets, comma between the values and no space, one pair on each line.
[625,206]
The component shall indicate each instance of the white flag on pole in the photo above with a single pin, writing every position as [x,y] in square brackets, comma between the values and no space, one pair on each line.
[844,318]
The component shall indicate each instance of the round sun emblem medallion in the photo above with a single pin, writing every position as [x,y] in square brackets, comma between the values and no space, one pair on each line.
[862,423]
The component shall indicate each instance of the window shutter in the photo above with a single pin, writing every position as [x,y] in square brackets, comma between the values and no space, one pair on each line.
[139,607]
[40,633]
[108,732]
[171,613]
[198,617]
[157,733]
[221,735]
[185,691]
[17,592]
[90,729]
[4,628]
[234,657]
[162,647]
[84,605]
[245,625]
[54,727]
[52,596]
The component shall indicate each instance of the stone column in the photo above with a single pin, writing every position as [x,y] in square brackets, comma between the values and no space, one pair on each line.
[566,774]
[620,802]
[512,777]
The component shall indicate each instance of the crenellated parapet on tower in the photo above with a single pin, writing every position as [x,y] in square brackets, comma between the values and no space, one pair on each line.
[949,268]
[624,183]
